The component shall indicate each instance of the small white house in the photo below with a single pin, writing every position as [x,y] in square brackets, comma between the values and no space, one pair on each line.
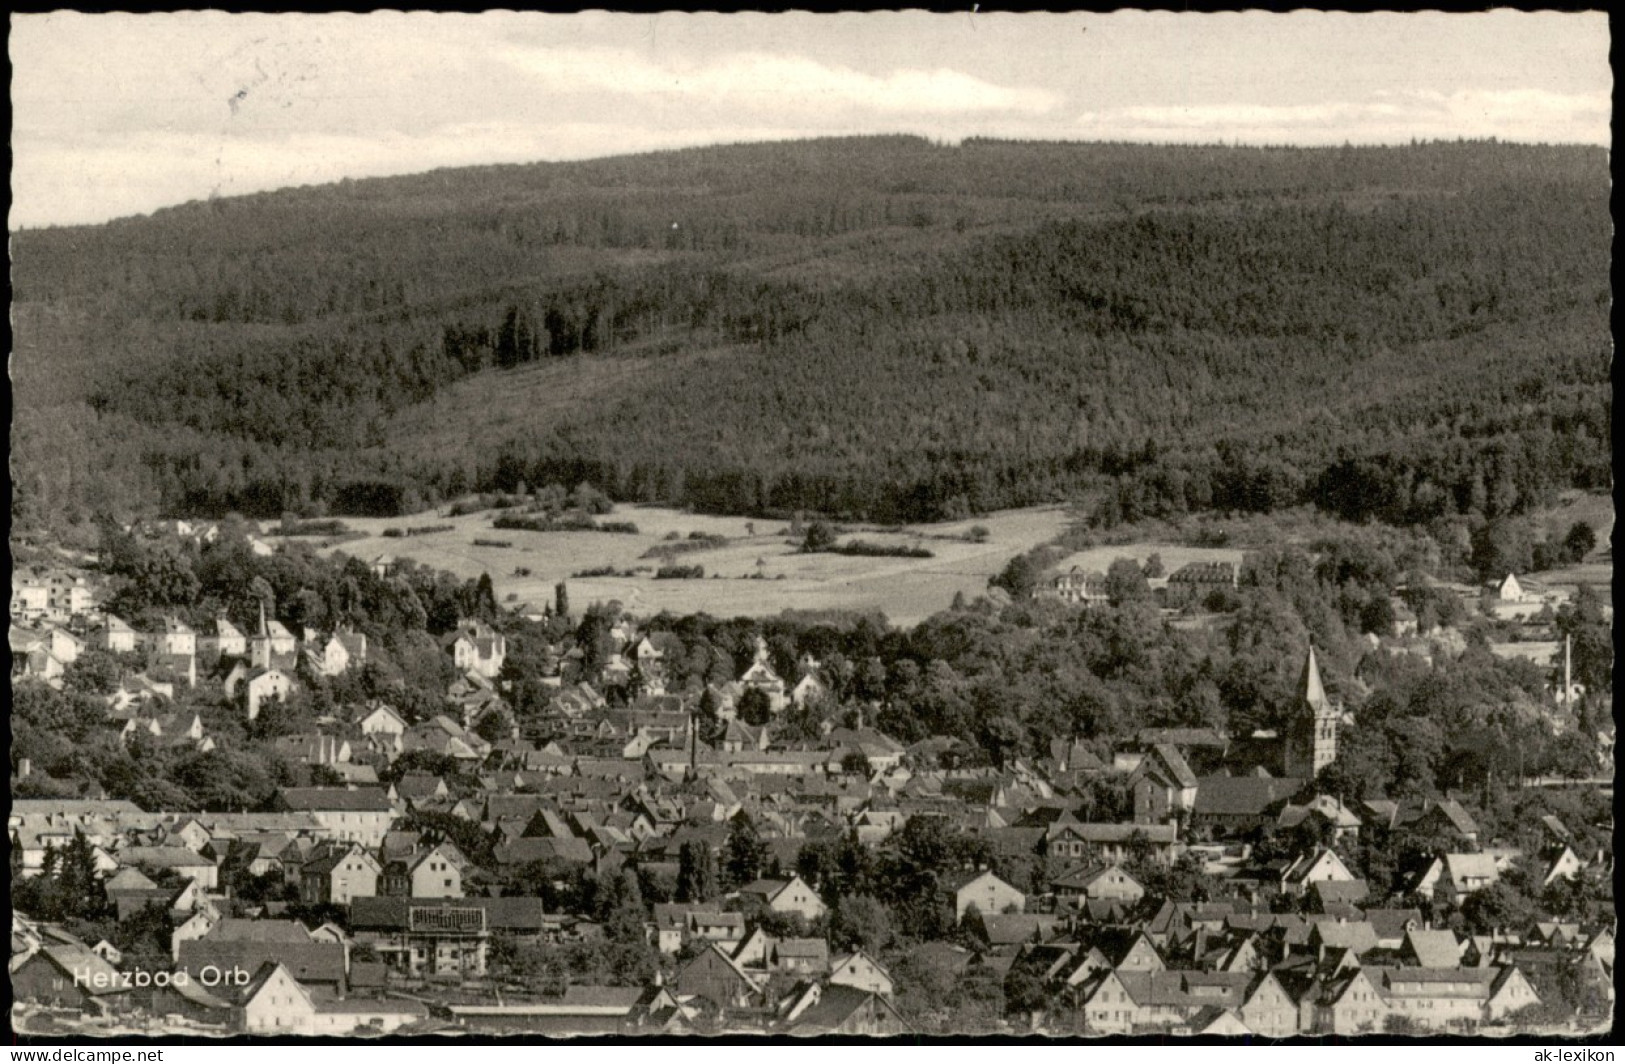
[990,894]
[791,895]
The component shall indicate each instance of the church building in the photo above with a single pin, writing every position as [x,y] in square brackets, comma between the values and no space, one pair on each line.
[1311,738]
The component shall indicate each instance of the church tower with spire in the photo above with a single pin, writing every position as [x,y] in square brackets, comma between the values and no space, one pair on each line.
[1311,737]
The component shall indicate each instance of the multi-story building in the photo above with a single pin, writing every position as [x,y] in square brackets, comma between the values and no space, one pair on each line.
[339,875]
[477,647]
[420,936]
[1081,587]
[361,814]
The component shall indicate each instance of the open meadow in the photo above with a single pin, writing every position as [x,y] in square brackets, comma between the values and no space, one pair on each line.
[756,571]
[1597,568]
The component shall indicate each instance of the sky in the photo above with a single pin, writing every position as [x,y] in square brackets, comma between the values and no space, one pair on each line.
[119,114]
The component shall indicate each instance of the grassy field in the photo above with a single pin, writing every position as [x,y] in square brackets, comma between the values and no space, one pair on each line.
[1597,570]
[1595,510]
[906,590]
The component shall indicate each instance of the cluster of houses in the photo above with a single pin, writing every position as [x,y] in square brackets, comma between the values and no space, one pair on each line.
[1524,604]
[1208,969]
[45,605]
[416,915]
[638,785]
[1507,598]
[251,667]
[637,781]
[54,595]
[414,948]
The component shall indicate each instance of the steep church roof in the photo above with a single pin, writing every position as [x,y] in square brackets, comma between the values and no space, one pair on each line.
[1311,691]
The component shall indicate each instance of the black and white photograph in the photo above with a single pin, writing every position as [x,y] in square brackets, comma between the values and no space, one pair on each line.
[867,526]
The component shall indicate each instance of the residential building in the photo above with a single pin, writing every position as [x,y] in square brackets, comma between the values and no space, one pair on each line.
[67,976]
[1097,882]
[987,892]
[382,720]
[861,971]
[116,636]
[714,976]
[338,875]
[1080,587]
[1112,843]
[434,872]
[835,1009]
[477,647]
[791,895]
[275,1002]
[426,936]
[229,640]
[1320,866]
[361,815]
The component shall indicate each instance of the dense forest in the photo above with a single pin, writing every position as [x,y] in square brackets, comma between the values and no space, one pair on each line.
[879,328]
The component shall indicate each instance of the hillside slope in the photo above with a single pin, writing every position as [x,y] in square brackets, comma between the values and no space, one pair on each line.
[875,327]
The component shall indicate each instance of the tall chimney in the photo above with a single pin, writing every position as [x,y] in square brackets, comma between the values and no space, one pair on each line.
[1568,683]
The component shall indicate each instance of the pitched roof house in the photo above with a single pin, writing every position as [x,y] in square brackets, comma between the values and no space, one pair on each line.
[836,1009]
[67,975]
[1430,949]
[714,976]
[338,874]
[1098,881]
[1321,866]
[986,891]
[791,895]
[858,969]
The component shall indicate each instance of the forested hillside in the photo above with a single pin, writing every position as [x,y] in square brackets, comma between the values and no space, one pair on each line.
[879,328]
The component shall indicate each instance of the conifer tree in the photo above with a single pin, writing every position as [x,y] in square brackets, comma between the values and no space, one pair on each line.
[746,853]
[696,873]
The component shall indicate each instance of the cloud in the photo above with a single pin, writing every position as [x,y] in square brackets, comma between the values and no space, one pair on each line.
[120,114]
[761,80]
[252,114]
[1387,116]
